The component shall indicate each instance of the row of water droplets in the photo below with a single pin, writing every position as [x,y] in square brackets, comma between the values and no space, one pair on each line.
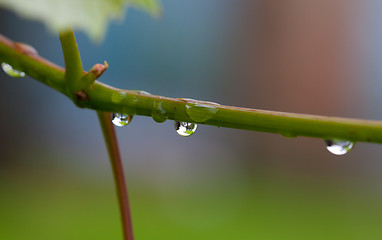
[201,111]
[184,129]
[198,111]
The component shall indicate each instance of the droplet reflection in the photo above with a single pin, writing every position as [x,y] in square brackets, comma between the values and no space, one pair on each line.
[339,147]
[120,119]
[185,129]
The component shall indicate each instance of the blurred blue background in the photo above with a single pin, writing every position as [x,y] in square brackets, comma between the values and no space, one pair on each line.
[316,57]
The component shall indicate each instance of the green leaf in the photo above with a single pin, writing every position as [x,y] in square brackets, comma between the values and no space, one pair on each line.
[91,16]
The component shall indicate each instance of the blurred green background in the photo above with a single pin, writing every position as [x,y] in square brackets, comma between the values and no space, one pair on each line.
[316,57]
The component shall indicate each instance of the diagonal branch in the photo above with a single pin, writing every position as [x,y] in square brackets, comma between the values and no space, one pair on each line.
[106,98]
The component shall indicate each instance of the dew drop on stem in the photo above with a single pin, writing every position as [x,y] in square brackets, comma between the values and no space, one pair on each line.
[200,111]
[185,129]
[339,147]
[120,119]
[159,114]
[144,92]
[10,71]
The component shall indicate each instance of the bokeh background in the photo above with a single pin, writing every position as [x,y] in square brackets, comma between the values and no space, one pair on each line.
[317,57]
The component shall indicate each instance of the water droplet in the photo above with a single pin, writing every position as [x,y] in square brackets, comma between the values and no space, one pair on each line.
[8,69]
[120,119]
[339,147]
[159,114]
[200,111]
[117,97]
[141,92]
[130,102]
[185,129]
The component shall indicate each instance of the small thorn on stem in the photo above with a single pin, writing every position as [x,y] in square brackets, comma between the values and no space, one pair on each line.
[95,72]
[98,69]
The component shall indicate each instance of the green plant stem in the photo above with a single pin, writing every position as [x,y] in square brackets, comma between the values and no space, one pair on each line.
[75,87]
[106,98]
[119,178]
[33,65]
[73,65]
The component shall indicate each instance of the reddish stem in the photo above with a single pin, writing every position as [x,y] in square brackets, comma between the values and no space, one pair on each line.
[119,178]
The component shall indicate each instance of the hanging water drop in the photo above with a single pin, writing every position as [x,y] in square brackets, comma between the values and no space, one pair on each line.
[158,114]
[10,71]
[185,129]
[120,119]
[339,147]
